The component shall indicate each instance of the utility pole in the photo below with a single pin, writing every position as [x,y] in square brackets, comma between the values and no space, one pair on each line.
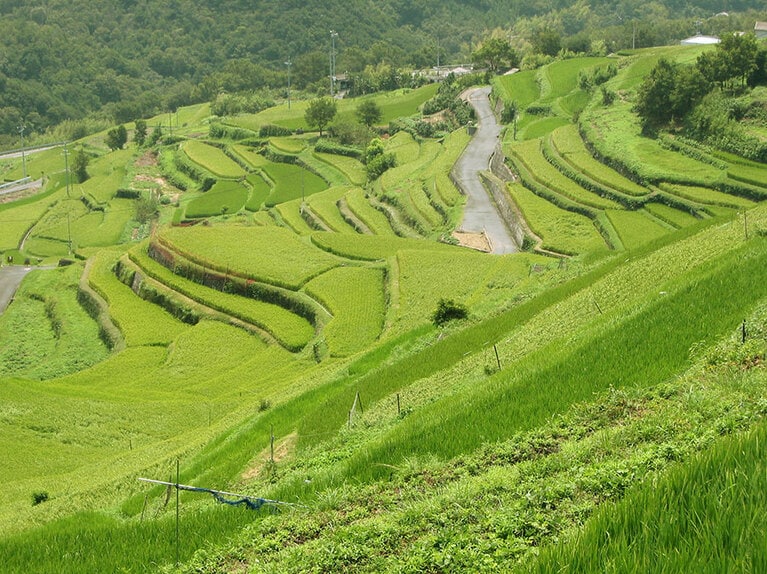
[66,167]
[288,64]
[633,35]
[69,234]
[333,36]
[22,127]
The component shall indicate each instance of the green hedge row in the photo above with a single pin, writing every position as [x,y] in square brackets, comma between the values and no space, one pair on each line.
[232,283]
[627,201]
[194,171]
[220,131]
[269,130]
[140,287]
[689,149]
[98,309]
[327,146]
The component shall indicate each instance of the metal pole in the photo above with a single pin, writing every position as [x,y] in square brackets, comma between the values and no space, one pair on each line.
[69,233]
[66,167]
[22,127]
[177,529]
[288,64]
[333,36]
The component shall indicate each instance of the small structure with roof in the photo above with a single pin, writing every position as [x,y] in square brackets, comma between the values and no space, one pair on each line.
[760,29]
[700,40]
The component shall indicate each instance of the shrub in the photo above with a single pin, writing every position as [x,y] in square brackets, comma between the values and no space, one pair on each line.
[326,146]
[379,164]
[269,130]
[39,497]
[447,310]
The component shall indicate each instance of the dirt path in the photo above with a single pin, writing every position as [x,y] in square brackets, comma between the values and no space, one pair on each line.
[10,279]
[480,214]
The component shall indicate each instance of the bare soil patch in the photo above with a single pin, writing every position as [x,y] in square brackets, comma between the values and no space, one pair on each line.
[282,449]
[473,240]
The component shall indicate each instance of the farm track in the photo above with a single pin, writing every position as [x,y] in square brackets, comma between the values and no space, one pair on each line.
[480,213]
[10,279]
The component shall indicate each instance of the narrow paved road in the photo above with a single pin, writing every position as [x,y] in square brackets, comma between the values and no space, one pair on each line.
[21,187]
[10,279]
[480,213]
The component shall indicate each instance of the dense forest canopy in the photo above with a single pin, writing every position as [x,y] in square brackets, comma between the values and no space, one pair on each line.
[126,59]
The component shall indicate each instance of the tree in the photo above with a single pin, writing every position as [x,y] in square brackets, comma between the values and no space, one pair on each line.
[80,165]
[447,310]
[495,52]
[156,135]
[734,57]
[654,104]
[690,86]
[320,113]
[741,52]
[139,134]
[117,137]
[377,160]
[546,41]
[369,113]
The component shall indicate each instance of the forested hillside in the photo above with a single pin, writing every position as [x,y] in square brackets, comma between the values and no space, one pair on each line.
[128,59]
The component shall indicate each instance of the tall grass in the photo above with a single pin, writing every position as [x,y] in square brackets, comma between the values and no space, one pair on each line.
[224,197]
[707,516]
[627,353]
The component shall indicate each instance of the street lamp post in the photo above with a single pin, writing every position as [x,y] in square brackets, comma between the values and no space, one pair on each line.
[22,127]
[288,64]
[333,36]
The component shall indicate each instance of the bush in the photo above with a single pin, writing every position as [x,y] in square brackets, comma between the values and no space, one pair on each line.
[269,130]
[379,164]
[39,497]
[447,310]
[326,146]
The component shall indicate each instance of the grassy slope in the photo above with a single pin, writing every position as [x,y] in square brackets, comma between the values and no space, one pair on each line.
[204,408]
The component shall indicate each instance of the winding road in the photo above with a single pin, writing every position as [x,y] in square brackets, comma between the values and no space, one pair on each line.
[10,279]
[480,214]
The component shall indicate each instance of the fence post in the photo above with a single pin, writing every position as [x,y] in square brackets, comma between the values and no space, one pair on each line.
[177,514]
[271,457]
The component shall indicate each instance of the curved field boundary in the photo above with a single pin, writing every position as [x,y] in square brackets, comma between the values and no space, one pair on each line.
[356,298]
[327,207]
[562,231]
[350,219]
[292,214]
[671,215]
[400,222]
[373,219]
[250,156]
[226,196]
[521,88]
[351,168]
[530,155]
[140,322]
[288,145]
[293,301]
[98,308]
[271,255]
[288,329]
[570,171]
[635,228]
[212,159]
[705,195]
[375,247]
[569,145]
